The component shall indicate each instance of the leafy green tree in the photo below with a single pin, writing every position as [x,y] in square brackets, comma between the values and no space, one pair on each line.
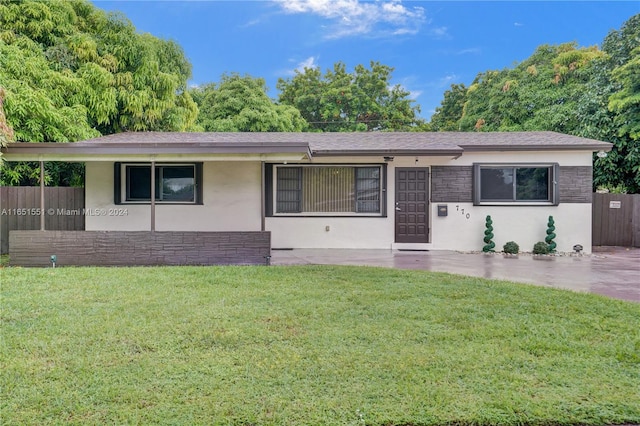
[626,104]
[339,101]
[241,104]
[37,98]
[587,92]
[617,117]
[71,71]
[541,93]
[6,132]
[450,111]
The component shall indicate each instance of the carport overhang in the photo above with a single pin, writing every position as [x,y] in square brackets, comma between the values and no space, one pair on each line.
[153,153]
[110,151]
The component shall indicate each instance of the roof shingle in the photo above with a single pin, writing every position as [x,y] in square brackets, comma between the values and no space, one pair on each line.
[321,144]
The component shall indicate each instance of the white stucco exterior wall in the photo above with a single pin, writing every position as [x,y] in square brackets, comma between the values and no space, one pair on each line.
[348,232]
[524,225]
[231,201]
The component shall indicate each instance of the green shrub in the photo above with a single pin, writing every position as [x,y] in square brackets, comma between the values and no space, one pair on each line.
[511,247]
[541,248]
[551,227]
[488,236]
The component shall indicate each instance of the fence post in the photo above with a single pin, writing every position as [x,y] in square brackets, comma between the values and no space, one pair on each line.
[42,206]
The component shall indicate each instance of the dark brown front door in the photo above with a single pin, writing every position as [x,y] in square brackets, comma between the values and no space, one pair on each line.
[412,199]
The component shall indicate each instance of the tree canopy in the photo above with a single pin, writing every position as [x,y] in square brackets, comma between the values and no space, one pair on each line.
[340,101]
[72,71]
[6,132]
[591,92]
[241,104]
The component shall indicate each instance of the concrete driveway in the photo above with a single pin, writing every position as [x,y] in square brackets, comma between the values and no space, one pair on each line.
[609,271]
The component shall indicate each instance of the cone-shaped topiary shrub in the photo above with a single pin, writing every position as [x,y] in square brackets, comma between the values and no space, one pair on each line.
[489,245]
[551,235]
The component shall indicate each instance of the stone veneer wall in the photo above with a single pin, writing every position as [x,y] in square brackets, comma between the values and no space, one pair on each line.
[452,184]
[576,184]
[455,184]
[129,248]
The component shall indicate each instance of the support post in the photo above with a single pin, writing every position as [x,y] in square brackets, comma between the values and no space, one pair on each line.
[153,196]
[262,196]
[42,206]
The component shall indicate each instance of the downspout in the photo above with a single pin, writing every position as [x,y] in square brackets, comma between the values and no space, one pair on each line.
[153,195]
[42,211]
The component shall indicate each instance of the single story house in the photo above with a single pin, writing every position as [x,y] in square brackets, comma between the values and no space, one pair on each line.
[231,197]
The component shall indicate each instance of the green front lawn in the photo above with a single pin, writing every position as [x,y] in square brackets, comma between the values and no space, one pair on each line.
[308,346]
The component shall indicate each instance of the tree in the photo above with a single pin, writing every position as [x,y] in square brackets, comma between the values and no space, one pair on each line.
[588,92]
[449,113]
[71,71]
[620,105]
[541,93]
[6,132]
[626,104]
[241,104]
[340,101]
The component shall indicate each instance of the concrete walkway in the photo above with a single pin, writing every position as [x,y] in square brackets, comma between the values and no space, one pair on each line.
[611,271]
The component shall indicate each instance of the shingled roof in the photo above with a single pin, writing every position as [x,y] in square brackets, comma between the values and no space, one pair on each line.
[314,144]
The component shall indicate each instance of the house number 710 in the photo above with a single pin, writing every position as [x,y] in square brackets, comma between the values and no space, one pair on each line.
[467,215]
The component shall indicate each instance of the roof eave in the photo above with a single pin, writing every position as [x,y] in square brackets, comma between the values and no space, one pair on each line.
[389,152]
[24,151]
[605,146]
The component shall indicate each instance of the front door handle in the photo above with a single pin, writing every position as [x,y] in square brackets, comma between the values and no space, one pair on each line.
[398,208]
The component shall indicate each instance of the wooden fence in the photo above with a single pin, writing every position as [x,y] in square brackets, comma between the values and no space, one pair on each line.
[616,217]
[616,220]
[20,210]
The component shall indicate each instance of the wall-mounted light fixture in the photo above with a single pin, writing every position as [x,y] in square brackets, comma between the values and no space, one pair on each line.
[388,159]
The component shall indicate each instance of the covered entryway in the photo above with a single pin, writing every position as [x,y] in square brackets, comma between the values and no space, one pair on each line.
[411,209]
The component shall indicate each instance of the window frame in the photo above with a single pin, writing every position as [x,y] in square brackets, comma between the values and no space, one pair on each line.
[552,191]
[271,172]
[122,181]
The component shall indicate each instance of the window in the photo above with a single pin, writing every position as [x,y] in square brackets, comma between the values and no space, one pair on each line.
[524,184]
[328,190]
[174,183]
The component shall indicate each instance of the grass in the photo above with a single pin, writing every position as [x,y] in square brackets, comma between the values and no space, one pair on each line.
[310,345]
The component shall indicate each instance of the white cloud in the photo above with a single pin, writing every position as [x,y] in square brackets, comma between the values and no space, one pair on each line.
[443,82]
[414,94]
[251,23]
[469,51]
[440,32]
[408,84]
[447,80]
[310,62]
[354,17]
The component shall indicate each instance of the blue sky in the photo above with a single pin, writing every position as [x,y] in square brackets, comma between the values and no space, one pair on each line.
[431,44]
